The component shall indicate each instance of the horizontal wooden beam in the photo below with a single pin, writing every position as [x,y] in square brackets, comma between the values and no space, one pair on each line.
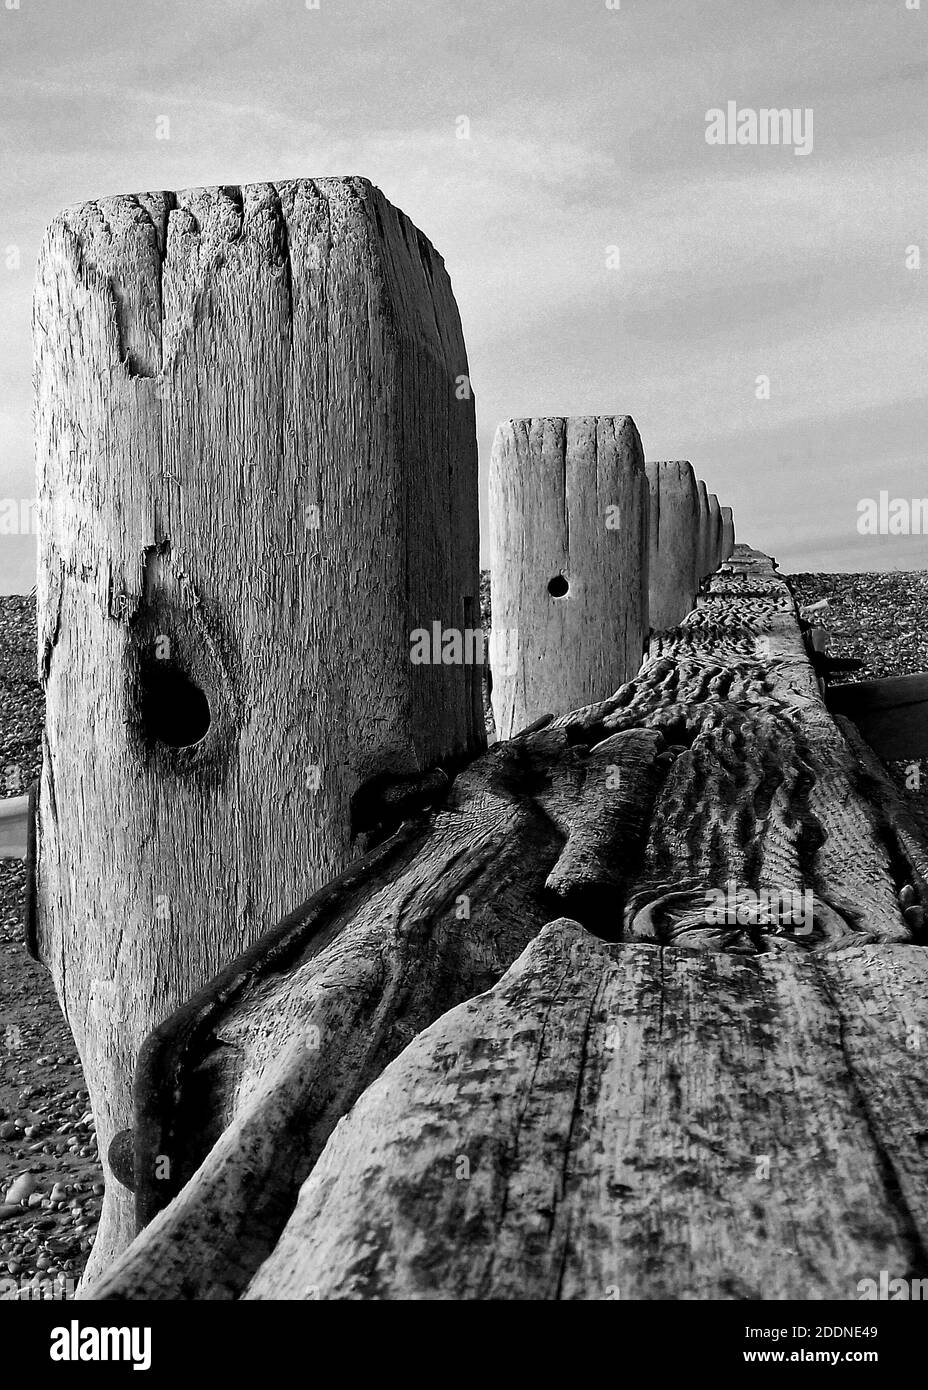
[543,1043]
[891,714]
[14,823]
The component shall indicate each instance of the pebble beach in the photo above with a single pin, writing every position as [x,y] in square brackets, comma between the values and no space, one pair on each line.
[51,1183]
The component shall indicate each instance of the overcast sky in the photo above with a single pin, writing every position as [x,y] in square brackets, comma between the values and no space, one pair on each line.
[587,132]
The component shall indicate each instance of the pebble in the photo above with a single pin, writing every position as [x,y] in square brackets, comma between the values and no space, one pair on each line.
[8,1130]
[21,1188]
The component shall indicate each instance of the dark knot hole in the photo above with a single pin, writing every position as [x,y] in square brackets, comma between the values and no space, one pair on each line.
[558,586]
[175,711]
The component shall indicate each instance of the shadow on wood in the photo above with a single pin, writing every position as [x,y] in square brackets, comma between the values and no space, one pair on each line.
[891,714]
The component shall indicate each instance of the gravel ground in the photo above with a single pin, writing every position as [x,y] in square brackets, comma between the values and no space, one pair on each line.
[21,706]
[51,1183]
[877,619]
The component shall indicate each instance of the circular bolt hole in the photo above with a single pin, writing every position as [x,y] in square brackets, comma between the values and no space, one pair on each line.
[558,586]
[174,710]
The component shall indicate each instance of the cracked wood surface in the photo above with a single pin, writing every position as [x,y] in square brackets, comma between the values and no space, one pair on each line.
[251,435]
[635,1122]
[516,1054]
[675,541]
[568,507]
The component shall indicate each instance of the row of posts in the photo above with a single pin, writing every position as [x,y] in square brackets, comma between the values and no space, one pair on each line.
[257,478]
[591,548]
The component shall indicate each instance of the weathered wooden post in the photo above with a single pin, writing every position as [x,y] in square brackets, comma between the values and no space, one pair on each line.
[728,532]
[258,575]
[569,564]
[715,532]
[673,542]
[705,543]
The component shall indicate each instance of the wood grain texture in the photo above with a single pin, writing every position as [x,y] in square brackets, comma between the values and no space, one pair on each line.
[715,533]
[728,532]
[653,1100]
[704,557]
[634,1122]
[674,542]
[251,435]
[569,563]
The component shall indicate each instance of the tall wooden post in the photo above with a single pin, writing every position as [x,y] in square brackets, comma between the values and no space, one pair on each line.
[728,532]
[674,542]
[705,544]
[258,490]
[715,533]
[569,564]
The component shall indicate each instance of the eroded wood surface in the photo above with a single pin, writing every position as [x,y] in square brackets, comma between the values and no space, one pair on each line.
[569,563]
[254,422]
[676,539]
[632,1122]
[589,1083]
